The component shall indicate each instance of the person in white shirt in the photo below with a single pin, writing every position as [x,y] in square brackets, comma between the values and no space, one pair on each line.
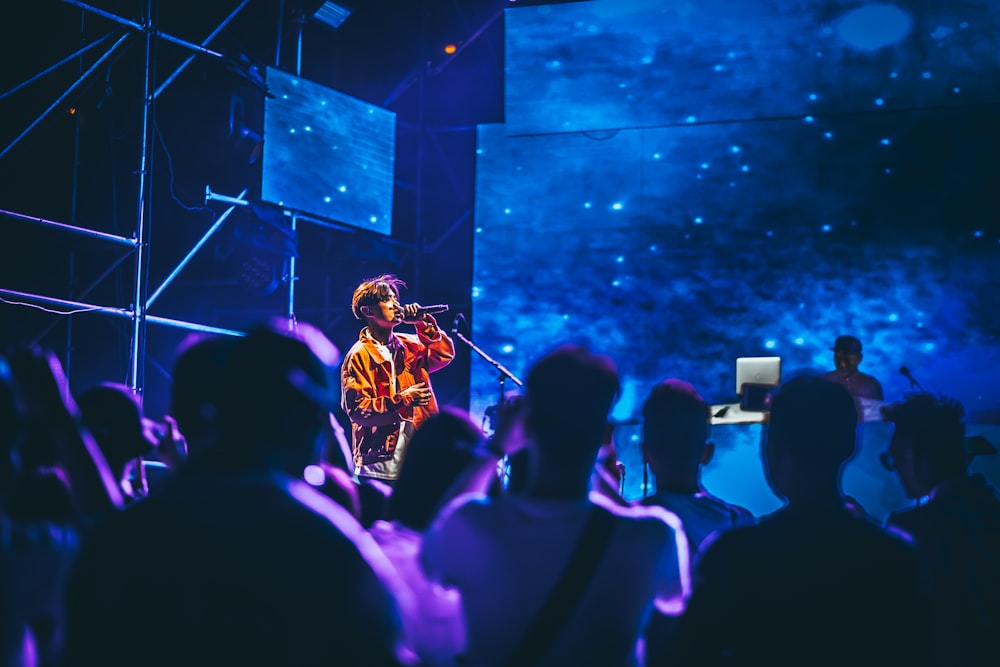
[505,554]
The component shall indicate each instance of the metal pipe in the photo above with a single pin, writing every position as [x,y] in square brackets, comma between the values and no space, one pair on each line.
[291,280]
[187,258]
[298,55]
[225,199]
[66,94]
[56,66]
[144,212]
[188,45]
[281,28]
[123,313]
[70,228]
[66,303]
[107,15]
[181,324]
[205,42]
[85,292]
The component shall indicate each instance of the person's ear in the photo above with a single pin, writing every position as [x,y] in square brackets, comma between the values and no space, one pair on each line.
[707,452]
[366,311]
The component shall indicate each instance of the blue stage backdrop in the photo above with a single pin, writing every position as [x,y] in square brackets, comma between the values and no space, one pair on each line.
[680,184]
[327,153]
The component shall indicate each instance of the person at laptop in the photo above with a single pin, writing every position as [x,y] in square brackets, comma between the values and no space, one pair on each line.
[864,388]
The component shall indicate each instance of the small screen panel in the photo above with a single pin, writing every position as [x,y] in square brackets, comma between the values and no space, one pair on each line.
[328,154]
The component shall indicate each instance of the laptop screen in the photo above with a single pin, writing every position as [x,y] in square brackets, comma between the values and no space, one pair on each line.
[757,370]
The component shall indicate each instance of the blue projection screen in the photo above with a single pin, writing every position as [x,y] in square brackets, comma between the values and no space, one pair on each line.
[678,248]
[328,154]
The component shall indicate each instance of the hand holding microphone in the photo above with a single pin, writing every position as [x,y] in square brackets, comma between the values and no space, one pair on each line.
[413,313]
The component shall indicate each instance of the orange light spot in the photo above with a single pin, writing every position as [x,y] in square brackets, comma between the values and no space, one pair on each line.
[450,49]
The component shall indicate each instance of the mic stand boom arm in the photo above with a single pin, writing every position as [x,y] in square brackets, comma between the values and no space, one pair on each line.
[504,373]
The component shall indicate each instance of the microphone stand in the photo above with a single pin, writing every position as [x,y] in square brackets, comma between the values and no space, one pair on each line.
[504,374]
[504,469]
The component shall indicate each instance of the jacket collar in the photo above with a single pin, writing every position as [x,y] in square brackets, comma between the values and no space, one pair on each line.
[376,349]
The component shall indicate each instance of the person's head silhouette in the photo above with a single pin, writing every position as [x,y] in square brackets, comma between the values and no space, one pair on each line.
[928,442]
[811,434]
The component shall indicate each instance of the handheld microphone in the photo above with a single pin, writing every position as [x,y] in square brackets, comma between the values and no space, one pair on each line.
[432,310]
[425,310]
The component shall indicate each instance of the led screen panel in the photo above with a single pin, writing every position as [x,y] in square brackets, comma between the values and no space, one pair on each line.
[856,197]
[328,154]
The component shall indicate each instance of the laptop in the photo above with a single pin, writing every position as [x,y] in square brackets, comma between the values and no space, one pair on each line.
[756,380]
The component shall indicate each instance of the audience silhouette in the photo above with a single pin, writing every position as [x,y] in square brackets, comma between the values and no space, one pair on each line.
[235,560]
[506,554]
[815,582]
[675,442]
[957,529]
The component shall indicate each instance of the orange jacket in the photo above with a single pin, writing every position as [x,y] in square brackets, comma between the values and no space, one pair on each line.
[372,399]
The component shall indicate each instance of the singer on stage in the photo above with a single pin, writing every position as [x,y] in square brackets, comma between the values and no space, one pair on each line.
[385,378]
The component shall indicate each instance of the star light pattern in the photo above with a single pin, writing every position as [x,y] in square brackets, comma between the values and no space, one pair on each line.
[328,154]
[693,185]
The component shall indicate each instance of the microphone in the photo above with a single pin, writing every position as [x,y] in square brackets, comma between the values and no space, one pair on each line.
[432,310]
[426,310]
[909,376]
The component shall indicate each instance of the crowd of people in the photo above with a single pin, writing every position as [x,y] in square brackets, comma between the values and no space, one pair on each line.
[249,529]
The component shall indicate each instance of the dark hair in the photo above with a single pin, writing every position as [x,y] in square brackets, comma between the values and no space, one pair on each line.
[441,450]
[262,402]
[375,290]
[675,421]
[568,394]
[816,421]
[933,425]
[197,373]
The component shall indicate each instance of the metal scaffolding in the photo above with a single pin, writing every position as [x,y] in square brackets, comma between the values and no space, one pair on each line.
[138,244]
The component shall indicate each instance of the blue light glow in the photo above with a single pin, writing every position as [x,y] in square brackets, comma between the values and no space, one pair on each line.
[770,344]
[874,26]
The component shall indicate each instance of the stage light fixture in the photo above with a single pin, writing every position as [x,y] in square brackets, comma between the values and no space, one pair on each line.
[332,14]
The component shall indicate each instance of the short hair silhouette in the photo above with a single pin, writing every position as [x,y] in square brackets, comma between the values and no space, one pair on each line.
[568,394]
[441,450]
[815,422]
[196,386]
[934,426]
[675,419]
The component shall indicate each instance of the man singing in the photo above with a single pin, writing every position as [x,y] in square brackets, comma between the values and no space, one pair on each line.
[385,377]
